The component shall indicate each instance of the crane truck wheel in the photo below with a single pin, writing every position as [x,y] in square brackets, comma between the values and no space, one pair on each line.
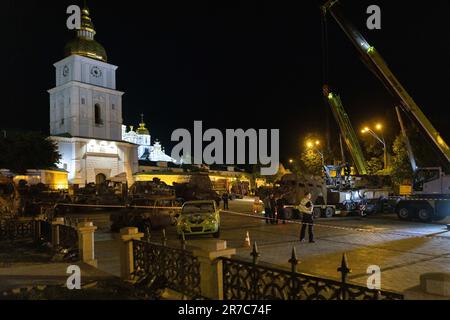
[405,213]
[424,215]
[329,212]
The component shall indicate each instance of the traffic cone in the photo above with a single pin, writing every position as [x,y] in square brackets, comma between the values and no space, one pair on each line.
[247,240]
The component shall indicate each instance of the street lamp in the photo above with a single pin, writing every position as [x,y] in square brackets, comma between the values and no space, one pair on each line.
[378,127]
[291,161]
[314,146]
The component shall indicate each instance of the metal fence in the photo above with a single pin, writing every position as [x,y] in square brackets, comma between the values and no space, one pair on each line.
[164,267]
[244,280]
[39,230]
[16,229]
[43,230]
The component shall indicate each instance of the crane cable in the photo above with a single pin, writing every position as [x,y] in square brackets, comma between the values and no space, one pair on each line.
[325,47]
[325,70]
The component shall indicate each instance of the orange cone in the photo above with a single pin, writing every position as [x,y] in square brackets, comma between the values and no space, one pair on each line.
[247,240]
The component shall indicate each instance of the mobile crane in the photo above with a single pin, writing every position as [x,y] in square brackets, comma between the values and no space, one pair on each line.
[430,199]
[346,130]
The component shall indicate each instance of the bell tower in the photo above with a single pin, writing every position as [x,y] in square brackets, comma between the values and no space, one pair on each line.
[85,102]
[86,113]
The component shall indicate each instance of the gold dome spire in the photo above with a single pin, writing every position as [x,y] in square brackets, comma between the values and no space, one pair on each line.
[84,43]
[86,21]
[142,129]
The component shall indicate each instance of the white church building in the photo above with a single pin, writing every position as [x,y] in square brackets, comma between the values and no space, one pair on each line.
[86,116]
[146,151]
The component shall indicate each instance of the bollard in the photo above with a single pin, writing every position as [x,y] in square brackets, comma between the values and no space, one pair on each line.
[127,235]
[208,253]
[86,246]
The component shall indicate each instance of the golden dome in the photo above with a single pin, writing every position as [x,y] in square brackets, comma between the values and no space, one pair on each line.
[84,43]
[142,129]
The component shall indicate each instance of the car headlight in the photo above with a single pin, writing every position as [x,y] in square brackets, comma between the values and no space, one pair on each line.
[212,221]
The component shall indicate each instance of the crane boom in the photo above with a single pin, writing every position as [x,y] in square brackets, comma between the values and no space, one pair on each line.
[347,131]
[376,63]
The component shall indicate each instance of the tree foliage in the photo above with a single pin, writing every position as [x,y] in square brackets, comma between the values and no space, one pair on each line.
[400,164]
[374,165]
[312,162]
[20,151]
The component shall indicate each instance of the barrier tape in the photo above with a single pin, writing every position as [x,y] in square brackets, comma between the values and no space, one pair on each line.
[410,234]
[113,206]
[417,199]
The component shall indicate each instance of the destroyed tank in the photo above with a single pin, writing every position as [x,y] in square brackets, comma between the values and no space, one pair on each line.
[144,193]
[153,205]
[199,187]
[293,188]
[106,193]
[34,197]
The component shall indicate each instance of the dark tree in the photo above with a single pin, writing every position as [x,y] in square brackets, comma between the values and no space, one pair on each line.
[20,151]
[400,170]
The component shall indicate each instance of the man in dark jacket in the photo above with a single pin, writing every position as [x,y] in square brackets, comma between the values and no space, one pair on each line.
[225,199]
[280,209]
[269,207]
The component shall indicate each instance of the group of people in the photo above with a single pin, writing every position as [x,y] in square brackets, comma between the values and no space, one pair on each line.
[275,209]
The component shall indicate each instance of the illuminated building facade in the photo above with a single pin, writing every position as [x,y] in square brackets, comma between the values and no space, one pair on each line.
[146,151]
[86,113]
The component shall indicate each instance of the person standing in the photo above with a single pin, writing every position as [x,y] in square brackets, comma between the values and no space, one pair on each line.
[280,209]
[225,199]
[269,208]
[306,207]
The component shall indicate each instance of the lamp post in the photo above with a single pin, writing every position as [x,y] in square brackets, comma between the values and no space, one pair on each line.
[381,140]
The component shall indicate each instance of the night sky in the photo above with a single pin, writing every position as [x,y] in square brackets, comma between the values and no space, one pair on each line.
[232,64]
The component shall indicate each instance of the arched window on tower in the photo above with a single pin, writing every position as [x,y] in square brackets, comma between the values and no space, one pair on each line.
[98,114]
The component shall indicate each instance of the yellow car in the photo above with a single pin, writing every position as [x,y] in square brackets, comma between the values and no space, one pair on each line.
[199,218]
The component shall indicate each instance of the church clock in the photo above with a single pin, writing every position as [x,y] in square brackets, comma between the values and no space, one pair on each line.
[96,72]
[66,71]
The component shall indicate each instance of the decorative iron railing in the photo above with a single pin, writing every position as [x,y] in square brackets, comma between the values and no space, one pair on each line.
[244,280]
[68,237]
[16,229]
[44,230]
[175,269]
